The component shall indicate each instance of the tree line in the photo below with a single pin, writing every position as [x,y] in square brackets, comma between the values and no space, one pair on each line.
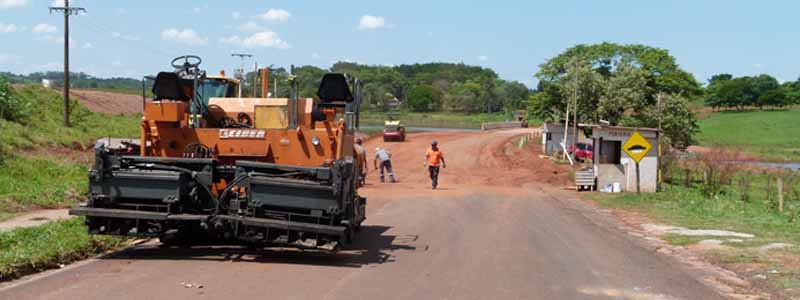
[77,80]
[430,87]
[725,91]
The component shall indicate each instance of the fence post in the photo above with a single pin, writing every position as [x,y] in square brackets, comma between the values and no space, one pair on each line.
[780,194]
[769,187]
[687,181]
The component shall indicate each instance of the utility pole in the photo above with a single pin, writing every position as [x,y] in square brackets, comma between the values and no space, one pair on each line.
[575,111]
[575,115]
[239,73]
[659,104]
[67,11]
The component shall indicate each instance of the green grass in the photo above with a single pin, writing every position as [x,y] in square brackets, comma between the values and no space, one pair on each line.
[438,119]
[688,207]
[44,127]
[40,183]
[31,177]
[27,250]
[773,135]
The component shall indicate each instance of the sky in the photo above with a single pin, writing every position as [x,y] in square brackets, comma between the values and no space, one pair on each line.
[137,38]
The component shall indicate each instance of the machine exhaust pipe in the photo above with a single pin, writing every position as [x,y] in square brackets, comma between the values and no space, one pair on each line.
[265,83]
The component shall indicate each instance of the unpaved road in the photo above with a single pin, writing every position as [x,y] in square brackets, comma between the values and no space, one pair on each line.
[499,227]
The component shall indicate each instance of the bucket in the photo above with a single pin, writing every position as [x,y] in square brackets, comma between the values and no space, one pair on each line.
[616,188]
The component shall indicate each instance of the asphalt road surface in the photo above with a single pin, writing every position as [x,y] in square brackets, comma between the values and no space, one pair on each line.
[501,226]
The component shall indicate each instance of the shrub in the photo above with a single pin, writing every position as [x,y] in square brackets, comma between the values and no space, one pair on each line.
[12,107]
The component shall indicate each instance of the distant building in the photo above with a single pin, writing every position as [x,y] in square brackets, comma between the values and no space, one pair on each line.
[553,136]
[394,102]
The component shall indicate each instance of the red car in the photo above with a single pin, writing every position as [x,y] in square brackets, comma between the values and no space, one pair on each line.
[583,152]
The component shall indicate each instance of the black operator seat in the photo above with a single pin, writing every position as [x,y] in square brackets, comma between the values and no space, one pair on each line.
[334,90]
[169,86]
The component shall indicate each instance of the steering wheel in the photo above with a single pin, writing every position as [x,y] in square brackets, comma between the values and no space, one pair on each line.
[189,62]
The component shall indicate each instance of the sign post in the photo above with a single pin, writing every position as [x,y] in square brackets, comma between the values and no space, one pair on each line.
[637,148]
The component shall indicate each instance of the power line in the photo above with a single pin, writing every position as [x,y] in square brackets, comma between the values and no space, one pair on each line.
[67,11]
[239,73]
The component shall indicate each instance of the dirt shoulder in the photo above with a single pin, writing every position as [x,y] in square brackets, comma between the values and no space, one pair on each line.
[108,102]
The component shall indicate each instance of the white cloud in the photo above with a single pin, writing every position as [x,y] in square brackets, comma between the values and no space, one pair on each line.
[315,55]
[60,3]
[121,11]
[8,28]
[232,40]
[58,40]
[88,45]
[263,39]
[369,22]
[200,8]
[185,36]
[44,28]
[236,15]
[4,58]
[483,58]
[251,26]
[126,37]
[276,15]
[51,66]
[12,3]
[758,66]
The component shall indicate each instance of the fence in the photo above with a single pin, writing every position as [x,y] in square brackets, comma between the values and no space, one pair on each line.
[500,125]
[720,177]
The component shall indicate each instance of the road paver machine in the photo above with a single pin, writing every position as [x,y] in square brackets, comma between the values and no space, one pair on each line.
[215,167]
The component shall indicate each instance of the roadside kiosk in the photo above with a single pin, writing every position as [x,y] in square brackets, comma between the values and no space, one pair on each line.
[553,136]
[617,152]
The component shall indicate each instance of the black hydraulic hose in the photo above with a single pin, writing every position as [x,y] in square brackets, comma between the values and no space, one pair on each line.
[227,190]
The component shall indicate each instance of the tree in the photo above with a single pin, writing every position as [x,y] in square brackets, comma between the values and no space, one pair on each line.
[712,92]
[465,97]
[775,98]
[423,98]
[764,86]
[618,83]
[512,95]
[678,122]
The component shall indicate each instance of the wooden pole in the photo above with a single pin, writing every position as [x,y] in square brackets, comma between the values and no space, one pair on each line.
[658,144]
[66,63]
[566,133]
[780,194]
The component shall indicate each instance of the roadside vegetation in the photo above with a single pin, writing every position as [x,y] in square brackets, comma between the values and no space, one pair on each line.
[712,192]
[44,165]
[25,251]
[40,165]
